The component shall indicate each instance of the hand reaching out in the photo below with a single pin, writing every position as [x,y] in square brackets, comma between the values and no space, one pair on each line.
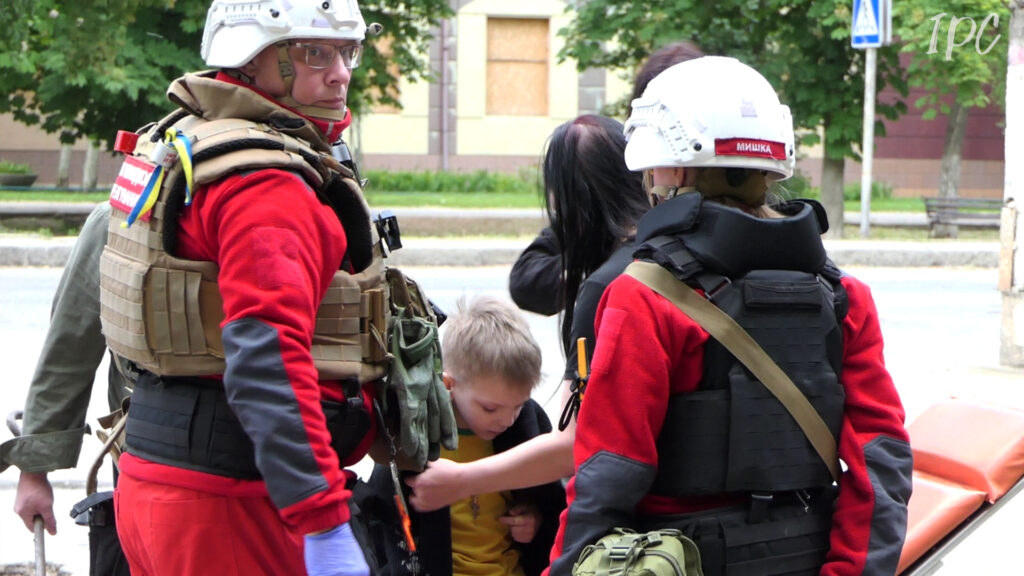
[438,486]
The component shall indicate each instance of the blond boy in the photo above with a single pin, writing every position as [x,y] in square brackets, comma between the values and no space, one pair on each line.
[491,365]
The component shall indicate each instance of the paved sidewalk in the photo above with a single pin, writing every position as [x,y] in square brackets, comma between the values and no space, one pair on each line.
[31,250]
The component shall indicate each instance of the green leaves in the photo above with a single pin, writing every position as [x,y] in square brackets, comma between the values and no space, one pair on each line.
[954,47]
[88,69]
[801,46]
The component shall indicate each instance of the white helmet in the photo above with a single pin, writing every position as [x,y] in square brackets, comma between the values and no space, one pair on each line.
[710,112]
[237,30]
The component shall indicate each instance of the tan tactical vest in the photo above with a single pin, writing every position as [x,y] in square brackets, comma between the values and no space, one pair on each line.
[164,313]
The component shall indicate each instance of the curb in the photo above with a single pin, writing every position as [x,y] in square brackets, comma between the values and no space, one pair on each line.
[41,252]
[913,254]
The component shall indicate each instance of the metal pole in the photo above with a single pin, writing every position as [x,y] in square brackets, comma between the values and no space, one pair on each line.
[40,547]
[868,142]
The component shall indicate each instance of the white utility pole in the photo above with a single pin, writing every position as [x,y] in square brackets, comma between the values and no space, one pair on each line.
[867,149]
[1011,261]
[872,28]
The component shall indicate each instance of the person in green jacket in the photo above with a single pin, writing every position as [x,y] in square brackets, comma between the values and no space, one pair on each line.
[53,422]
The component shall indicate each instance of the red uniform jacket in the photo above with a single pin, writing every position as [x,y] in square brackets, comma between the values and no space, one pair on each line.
[647,350]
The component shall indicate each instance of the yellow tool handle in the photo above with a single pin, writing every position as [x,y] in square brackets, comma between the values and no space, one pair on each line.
[581,356]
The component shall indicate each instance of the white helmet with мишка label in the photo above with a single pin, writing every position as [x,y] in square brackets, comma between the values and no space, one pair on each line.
[711,112]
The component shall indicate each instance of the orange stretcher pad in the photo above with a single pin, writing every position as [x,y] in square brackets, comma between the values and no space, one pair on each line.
[967,457]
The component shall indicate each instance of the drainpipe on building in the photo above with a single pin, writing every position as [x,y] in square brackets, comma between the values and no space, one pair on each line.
[444,95]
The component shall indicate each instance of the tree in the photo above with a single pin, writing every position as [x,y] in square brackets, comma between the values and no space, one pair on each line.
[801,46]
[87,69]
[952,44]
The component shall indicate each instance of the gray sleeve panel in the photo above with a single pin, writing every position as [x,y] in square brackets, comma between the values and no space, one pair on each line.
[261,395]
[73,348]
[890,464]
[608,488]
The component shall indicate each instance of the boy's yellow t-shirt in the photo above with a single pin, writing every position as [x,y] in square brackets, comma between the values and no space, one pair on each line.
[481,545]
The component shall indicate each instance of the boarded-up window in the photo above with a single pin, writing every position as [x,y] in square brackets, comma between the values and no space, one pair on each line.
[517,67]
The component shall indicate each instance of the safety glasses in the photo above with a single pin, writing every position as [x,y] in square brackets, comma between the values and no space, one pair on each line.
[321,56]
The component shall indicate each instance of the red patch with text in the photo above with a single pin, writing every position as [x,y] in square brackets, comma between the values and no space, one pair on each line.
[131,181]
[750,147]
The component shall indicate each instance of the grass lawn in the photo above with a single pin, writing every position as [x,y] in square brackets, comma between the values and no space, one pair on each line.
[53,196]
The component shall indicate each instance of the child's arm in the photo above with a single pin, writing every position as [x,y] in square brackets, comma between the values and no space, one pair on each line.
[523,523]
[540,460]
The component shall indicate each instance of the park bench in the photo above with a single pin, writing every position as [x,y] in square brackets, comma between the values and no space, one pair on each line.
[956,211]
[968,462]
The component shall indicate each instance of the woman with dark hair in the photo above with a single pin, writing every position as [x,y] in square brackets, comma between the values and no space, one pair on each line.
[537,281]
[593,203]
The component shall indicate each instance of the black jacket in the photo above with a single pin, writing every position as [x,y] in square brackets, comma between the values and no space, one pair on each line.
[535,282]
[386,552]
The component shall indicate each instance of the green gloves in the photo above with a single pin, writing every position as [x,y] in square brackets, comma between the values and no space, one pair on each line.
[426,419]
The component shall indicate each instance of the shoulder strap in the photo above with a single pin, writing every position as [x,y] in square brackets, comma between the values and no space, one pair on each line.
[724,329]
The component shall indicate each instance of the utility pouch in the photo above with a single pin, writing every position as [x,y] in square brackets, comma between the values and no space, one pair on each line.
[418,413]
[624,552]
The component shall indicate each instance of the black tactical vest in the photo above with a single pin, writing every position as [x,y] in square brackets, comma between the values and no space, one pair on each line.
[773,278]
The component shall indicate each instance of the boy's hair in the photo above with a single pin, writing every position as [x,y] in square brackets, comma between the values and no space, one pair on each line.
[490,337]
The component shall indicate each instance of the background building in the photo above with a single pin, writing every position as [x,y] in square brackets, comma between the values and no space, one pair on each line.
[499,91]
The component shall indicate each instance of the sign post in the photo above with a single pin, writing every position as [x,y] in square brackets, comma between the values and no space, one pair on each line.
[872,27]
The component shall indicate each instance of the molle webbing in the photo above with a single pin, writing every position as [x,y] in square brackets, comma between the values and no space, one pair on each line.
[733,434]
[164,313]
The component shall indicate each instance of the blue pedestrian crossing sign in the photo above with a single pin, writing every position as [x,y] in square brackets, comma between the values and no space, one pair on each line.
[872,23]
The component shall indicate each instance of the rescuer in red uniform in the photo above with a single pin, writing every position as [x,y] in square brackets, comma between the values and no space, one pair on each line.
[238,431]
[673,431]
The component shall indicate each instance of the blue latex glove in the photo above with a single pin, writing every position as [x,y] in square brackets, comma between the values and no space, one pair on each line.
[335,553]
